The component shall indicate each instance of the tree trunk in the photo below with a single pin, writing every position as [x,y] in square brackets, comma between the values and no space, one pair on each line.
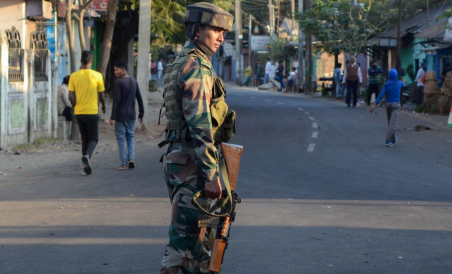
[108,36]
[398,53]
[82,8]
[336,59]
[70,34]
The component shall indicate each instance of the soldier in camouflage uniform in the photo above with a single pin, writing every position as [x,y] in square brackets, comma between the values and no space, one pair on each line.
[191,161]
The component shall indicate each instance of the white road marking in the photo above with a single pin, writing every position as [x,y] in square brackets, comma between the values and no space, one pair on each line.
[315,134]
[312,118]
[280,103]
[314,125]
[307,113]
[300,109]
[267,100]
[311,147]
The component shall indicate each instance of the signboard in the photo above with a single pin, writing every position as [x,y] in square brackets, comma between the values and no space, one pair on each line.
[99,5]
[260,42]
[51,43]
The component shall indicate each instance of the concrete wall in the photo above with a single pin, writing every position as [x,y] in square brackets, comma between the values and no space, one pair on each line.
[28,108]
[13,14]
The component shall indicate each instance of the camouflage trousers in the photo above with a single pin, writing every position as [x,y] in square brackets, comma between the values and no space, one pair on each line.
[188,250]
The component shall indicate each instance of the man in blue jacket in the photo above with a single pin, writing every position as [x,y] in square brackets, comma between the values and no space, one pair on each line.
[392,89]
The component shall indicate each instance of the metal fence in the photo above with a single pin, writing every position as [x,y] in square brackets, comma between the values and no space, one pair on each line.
[40,67]
[15,65]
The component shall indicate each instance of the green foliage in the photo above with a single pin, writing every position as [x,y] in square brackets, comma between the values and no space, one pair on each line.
[410,72]
[421,108]
[340,26]
[36,144]
[433,110]
[280,50]
[153,86]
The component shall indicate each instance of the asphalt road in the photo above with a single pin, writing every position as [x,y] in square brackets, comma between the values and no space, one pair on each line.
[321,194]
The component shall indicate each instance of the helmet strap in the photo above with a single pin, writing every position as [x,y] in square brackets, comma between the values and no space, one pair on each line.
[192,33]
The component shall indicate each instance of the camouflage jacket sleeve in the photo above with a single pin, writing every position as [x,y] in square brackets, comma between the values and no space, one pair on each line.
[196,82]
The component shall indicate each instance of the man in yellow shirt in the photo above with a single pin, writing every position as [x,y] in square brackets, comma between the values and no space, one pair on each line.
[86,90]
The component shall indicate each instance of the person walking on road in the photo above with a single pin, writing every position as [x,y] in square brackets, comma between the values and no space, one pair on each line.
[268,66]
[353,78]
[123,114]
[258,73]
[159,69]
[337,77]
[392,90]
[420,84]
[280,75]
[191,162]
[374,81]
[87,88]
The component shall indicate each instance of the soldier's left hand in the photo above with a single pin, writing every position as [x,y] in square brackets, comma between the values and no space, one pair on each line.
[213,189]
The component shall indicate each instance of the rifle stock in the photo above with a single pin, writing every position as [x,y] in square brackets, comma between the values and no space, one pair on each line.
[232,154]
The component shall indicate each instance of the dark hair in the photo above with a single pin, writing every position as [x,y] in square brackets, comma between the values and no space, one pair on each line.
[121,64]
[374,61]
[66,80]
[268,59]
[258,60]
[447,65]
[294,68]
[338,65]
[87,57]
[281,61]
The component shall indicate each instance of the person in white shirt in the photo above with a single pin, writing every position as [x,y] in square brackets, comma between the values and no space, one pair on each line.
[272,72]
[353,78]
[420,85]
[64,105]
[268,66]
[65,108]
[159,69]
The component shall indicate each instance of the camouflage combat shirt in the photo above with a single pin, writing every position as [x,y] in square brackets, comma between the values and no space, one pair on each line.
[196,80]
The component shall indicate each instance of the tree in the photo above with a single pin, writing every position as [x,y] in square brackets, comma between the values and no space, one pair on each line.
[70,34]
[342,26]
[280,50]
[108,36]
[83,5]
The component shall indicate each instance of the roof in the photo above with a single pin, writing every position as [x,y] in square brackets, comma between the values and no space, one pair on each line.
[417,25]
[290,26]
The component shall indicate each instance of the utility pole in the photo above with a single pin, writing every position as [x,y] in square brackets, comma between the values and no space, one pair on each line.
[249,41]
[308,44]
[144,45]
[279,14]
[300,48]
[292,10]
[238,41]
[270,12]
[398,60]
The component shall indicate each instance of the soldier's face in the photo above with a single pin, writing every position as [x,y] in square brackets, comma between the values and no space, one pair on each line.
[210,37]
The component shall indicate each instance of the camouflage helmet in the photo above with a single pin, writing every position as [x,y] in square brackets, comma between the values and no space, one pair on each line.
[207,14]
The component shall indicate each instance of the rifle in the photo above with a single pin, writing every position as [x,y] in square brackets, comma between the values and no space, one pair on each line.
[222,221]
